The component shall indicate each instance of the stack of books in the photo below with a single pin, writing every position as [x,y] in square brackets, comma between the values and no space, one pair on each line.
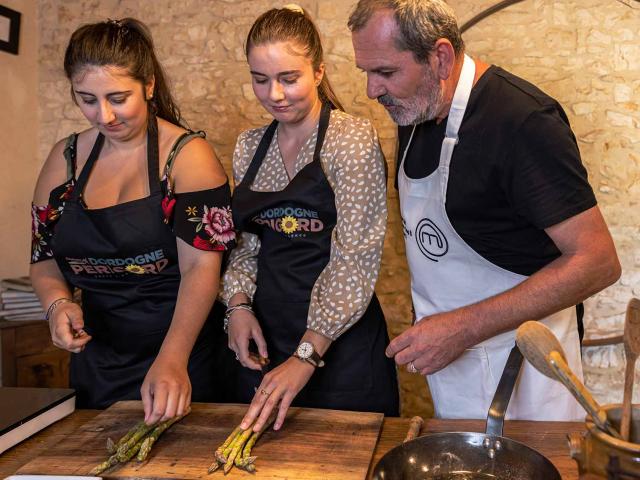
[18,301]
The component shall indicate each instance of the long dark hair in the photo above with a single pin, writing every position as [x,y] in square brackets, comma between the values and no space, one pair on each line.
[127,44]
[288,24]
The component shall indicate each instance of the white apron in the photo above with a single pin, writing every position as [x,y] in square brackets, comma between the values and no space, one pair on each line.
[446,274]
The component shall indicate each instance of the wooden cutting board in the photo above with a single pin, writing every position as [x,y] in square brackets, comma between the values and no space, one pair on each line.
[313,444]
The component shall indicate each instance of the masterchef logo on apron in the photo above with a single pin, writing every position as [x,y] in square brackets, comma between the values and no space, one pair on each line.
[446,274]
[431,241]
[152,262]
[292,221]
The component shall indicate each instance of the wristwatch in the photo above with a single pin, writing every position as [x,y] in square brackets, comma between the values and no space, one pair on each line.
[307,353]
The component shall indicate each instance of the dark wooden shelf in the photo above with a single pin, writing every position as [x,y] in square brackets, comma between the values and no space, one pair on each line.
[29,359]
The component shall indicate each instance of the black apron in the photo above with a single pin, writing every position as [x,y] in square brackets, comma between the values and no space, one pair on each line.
[294,226]
[124,258]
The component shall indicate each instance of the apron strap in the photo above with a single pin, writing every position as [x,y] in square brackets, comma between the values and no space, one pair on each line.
[70,149]
[456,114]
[261,152]
[323,125]
[153,157]
[263,146]
[404,154]
[461,97]
[88,166]
[152,161]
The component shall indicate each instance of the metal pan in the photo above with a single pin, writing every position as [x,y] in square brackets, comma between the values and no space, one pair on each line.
[468,455]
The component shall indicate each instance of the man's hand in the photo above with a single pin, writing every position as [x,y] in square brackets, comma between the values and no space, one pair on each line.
[431,344]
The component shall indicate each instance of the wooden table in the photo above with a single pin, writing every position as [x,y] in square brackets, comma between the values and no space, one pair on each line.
[549,438]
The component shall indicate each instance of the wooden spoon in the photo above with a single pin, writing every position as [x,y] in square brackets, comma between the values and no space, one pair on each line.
[535,341]
[631,340]
[542,349]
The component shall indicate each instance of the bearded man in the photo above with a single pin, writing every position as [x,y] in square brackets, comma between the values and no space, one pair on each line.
[500,223]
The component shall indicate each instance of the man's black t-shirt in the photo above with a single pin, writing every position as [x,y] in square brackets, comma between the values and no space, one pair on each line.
[515,171]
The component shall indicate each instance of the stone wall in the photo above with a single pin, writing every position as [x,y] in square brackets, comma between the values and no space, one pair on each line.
[585,53]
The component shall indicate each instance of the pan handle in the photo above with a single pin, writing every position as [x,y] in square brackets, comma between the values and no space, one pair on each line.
[500,402]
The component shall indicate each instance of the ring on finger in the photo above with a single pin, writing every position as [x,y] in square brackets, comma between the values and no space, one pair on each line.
[264,392]
[411,368]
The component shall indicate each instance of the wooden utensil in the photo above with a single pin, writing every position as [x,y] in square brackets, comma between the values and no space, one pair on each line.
[576,387]
[535,341]
[631,341]
[415,425]
[542,349]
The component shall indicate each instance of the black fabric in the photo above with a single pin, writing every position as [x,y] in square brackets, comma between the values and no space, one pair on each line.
[125,260]
[580,316]
[70,155]
[189,211]
[515,171]
[184,211]
[294,226]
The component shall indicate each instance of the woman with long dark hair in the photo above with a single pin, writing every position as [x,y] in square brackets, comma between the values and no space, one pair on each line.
[310,201]
[135,212]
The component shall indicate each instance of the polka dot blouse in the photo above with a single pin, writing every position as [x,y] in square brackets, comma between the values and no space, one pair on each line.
[354,166]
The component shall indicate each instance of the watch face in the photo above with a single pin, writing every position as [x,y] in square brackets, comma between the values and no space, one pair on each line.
[305,349]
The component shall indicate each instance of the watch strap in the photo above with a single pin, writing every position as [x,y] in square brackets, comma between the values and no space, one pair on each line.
[314,359]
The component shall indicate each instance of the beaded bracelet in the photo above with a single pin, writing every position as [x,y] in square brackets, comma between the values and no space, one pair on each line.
[230,310]
[54,305]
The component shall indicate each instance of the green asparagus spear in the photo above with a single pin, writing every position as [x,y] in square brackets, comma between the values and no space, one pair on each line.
[141,432]
[245,463]
[214,466]
[116,458]
[113,447]
[220,450]
[107,464]
[246,452]
[237,447]
[148,442]
[228,448]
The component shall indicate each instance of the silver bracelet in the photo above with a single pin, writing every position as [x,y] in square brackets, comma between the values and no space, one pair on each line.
[229,312]
[54,305]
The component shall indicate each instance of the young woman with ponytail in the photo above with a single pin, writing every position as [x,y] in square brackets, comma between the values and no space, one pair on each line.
[134,212]
[310,202]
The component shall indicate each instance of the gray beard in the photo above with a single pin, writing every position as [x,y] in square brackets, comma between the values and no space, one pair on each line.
[431,107]
[422,107]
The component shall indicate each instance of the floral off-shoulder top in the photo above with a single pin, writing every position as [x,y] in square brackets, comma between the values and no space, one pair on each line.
[202,219]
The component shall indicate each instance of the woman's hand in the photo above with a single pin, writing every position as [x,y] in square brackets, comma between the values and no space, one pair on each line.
[243,327]
[281,385]
[67,327]
[166,391]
